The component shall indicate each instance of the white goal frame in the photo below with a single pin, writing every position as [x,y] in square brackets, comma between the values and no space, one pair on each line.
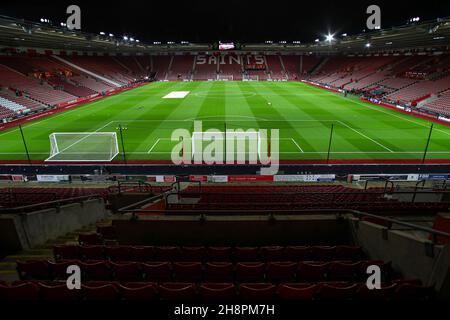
[252,77]
[222,77]
[229,135]
[56,150]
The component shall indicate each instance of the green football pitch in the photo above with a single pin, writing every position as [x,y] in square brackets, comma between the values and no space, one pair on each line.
[303,114]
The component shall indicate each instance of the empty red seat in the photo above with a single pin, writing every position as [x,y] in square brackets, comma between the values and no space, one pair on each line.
[246,254]
[19,292]
[167,253]
[297,253]
[344,271]
[219,272]
[58,293]
[187,271]
[139,292]
[383,294]
[193,254]
[157,271]
[250,272]
[337,293]
[297,291]
[67,252]
[118,253]
[177,291]
[96,270]
[322,253]
[312,271]
[348,253]
[219,254]
[89,239]
[92,252]
[59,269]
[277,272]
[275,253]
[257,291]
[142,253]
[34,269]
[107,232]
[102,293]
[217,292]
[127,271]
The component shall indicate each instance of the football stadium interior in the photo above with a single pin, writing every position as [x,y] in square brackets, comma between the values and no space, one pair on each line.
[212,172]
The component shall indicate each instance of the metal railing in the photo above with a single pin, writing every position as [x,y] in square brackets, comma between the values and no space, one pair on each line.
[49,204]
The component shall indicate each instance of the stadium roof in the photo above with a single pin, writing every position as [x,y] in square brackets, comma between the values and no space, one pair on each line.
[426,36]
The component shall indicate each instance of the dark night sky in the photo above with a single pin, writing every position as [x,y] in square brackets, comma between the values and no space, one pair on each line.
[244,20]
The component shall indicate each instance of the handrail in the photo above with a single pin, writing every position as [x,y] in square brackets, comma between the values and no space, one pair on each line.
[273,213]
[58,203]
[140,203]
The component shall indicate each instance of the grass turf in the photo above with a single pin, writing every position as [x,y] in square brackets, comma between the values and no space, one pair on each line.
[303,114]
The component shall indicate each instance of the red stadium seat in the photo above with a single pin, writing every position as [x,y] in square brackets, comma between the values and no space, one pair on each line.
[187,271]
[337,293]
[107,232]
[130,271]
[297,291]
[193,254]
[312,272]
[217,292]
[177,292]
[218,272]
[102,293]
[297,253]
[385,293]
[220,254]
[323,253]
[92,252]
[59,269]
[34,270]
[348,253]
[281,271]
[157,271]
[19,292]
[340,271]
[100,270]
[167,253]
[141,292]
[67,252]
[257,291]
[250,272]
[246,254]
[90,239]
[118,253]
[275,253]
[142,253]
[58,293]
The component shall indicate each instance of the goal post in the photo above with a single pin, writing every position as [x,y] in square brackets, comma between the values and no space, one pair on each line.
[239,145]
[83,146]
[222,77]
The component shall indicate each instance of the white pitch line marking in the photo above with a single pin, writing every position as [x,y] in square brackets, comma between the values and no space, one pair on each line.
[297,145]
[365,136]
[154,145]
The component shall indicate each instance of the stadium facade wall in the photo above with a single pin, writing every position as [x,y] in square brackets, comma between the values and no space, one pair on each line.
[36,228]
[414,257]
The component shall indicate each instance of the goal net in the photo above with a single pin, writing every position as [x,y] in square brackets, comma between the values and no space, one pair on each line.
[83,146]
[251,77]
[222,77]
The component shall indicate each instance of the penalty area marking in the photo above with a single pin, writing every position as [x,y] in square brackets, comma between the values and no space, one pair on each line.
[154,145]
[297,145]
[176,95]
